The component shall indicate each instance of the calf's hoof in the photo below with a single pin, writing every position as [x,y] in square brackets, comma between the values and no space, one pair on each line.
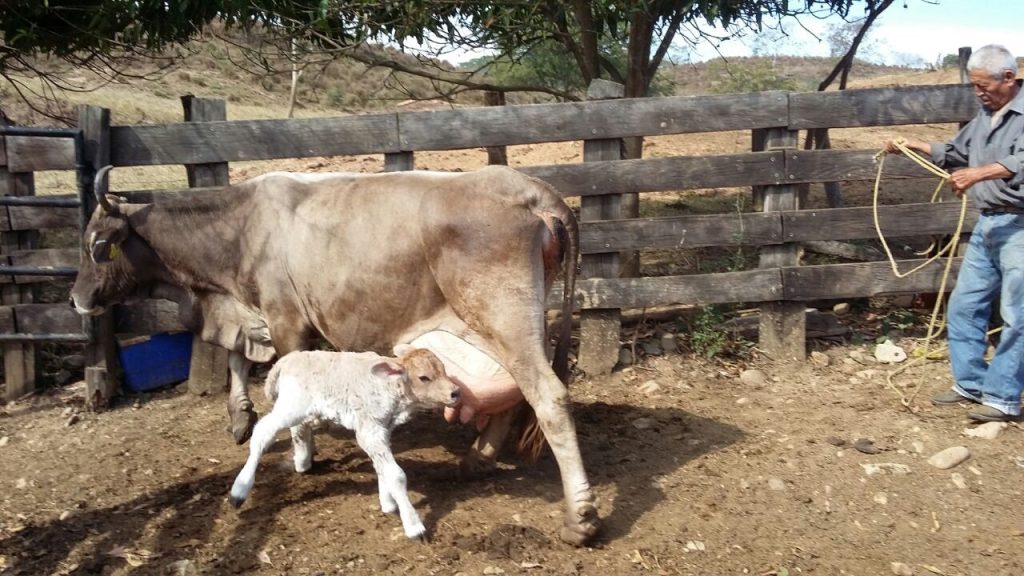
[581,525]
[242,423]
[236,501]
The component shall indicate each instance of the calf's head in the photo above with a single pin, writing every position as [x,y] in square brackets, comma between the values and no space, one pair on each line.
[114,260]
[422,377]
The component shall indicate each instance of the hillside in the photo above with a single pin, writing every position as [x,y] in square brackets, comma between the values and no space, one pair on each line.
[212,67]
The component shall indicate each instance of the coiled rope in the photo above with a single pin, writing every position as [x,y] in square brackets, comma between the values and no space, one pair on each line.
[935,324]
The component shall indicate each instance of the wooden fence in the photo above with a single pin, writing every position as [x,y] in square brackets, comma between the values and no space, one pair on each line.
[206,143]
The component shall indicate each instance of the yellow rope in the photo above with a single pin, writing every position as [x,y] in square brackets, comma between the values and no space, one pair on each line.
[935,326]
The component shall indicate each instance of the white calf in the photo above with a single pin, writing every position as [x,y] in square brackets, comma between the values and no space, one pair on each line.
[364,392]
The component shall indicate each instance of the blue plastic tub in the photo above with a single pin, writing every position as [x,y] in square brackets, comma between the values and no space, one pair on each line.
[153,361]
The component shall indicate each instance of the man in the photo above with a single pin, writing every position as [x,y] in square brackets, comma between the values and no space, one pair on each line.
[987,156]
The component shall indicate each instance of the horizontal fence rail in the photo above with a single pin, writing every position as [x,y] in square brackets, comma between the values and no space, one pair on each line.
[231,141]
[207,145]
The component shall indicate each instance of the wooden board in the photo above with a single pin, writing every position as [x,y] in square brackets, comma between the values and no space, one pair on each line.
[598,119]
[896,221]
[35,153]
[850,165]
[19,218]
[699,289]
[748,229]
[231,141]
[660,174]
[863,279]
[882,107]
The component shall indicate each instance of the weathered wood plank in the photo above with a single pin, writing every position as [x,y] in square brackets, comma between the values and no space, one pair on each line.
[101,358]
[230,141]
[660,174]
[747,229]
[598,119]
[882,107]
[35,153]
[863,279]
[208,369]
[857,223]
[38,218]
[698,289]
[20,359]
[52,257]
[599,328]
[782,327]
[40,319]
[836,165]
[148,317]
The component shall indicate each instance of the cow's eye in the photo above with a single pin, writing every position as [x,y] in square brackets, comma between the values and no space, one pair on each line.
[425,379]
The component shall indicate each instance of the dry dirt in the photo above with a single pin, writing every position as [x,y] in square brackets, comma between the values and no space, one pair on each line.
[697,471]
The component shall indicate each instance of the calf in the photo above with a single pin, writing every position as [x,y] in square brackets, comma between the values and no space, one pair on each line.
[364,392]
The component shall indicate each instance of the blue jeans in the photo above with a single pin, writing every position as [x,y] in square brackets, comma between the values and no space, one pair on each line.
[993,265]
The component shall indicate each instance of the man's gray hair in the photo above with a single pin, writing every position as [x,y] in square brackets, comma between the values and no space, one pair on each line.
[994,59]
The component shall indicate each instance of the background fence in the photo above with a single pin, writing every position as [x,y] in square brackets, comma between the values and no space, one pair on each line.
[206,143]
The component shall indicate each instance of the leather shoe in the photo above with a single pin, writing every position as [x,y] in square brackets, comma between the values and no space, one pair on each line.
[990,414]
[950,398]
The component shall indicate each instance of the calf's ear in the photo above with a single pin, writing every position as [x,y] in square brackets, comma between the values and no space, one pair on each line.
[386,369]
[402,349]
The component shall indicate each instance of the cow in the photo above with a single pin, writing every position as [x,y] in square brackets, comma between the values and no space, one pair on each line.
[365,261]
[365,392]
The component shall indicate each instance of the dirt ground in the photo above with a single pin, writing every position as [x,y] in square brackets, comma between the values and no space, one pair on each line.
[700,467]
[726,466]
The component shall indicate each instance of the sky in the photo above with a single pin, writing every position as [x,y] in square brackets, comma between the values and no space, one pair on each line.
[922,30]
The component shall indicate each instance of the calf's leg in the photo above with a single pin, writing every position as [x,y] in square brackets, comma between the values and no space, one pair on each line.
[375,441]
[284,415]
[302,447]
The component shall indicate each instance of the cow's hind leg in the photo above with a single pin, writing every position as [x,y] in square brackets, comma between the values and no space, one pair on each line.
[483,455]
[240,407]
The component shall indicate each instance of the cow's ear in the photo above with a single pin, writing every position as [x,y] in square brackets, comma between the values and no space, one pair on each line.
[402,349]
[387,369]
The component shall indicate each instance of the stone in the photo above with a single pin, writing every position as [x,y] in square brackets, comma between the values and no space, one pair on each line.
[651,348]
[886,468]
[625,357]
[776,484]
[841,309]
[753,377]
[820,359]
[669,343]
[901,569]
[987,431]
[889,353]
[949,457]
[650,388]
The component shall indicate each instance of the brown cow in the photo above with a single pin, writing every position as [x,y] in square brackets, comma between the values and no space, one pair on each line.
[366,261]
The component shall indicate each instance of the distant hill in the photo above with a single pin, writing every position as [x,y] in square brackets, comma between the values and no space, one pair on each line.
[211,68]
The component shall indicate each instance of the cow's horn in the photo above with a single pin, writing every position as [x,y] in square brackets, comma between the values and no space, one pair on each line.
[100,188]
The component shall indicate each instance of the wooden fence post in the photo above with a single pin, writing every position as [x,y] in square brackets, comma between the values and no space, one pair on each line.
[600,328]
[398,161]
[496,154]
[102,370]
[208,370]
[20,360]
[782,329]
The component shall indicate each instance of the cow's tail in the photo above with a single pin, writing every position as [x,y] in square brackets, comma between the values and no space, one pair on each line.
[270,386]
[566,228]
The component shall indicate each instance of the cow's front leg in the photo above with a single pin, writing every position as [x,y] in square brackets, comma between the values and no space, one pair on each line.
[240,407]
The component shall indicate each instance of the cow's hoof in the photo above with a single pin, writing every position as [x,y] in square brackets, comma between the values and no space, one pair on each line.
[236,502]
[242,423]
[475,466]
[582,529]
